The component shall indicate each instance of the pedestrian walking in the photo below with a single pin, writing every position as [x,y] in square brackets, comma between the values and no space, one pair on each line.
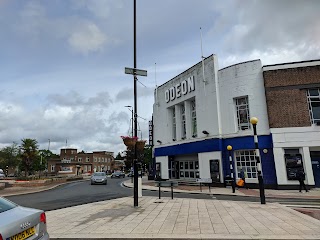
[243,176]
[301,177]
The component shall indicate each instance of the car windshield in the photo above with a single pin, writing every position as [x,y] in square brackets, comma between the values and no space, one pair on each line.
[99,174]
[117,172]
[6,205]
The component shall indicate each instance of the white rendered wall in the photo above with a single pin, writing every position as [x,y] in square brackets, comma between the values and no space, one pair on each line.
[206,108]
[164,166]
[204,164]
[303,138]
[244,79]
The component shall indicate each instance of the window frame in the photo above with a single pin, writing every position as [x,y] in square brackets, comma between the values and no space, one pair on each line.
[183,122]
[174,124]
[242,126]
[313,99]
[193,118]
[246,159]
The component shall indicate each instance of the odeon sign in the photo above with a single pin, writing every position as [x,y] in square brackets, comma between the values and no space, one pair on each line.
[180,89]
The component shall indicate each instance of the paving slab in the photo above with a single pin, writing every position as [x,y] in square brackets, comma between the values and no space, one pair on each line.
[180,219]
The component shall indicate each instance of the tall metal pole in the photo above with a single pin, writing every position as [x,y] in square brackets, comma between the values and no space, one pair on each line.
[135,166]
[254,122]
[132,122]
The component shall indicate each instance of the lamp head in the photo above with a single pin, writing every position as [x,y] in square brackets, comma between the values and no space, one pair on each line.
[158,141]
[229,147]
[205,132]
[254,120]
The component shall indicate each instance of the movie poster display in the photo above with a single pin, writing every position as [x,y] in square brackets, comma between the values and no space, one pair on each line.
[293,165]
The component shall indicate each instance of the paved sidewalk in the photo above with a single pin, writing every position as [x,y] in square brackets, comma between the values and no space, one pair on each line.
[180,219]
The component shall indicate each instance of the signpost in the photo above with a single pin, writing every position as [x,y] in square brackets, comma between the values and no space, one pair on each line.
[204,180]
[134,71]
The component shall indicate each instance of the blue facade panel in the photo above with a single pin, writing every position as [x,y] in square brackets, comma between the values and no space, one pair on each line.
[238,143]
[210,145]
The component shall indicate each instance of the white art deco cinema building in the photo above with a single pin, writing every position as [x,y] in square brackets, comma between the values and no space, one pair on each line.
[198,113]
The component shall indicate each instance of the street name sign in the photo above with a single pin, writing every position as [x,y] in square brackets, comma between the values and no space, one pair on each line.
[135,71]
[204,180]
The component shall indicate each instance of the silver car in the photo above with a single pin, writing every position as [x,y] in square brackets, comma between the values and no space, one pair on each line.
[99,178]
[17,222]
[2,174]
[117,174]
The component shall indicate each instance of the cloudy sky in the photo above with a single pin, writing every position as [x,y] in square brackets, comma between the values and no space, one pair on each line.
[62,61]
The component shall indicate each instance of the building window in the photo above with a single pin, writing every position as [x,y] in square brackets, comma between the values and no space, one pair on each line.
[89,168]
[313,96]
[95,159]
[183,122]
[99,159]
[174,124]
[193,118]
[245,159]
[88,159]
[52,168]
[79,159]
[243,116]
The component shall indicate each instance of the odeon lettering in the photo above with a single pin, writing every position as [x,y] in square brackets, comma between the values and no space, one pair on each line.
[180,89]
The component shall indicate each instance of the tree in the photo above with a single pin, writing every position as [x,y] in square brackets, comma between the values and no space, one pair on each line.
[29,154]
[147,160]
[119,157]
[9,156]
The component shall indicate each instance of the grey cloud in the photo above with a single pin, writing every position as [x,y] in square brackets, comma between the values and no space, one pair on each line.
[127,93]
[99,8]
[102,98]
[73,98]
[267,25]
[79,120]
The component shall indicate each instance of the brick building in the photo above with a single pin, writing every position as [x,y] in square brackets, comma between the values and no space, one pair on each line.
[293,105]
[72,162]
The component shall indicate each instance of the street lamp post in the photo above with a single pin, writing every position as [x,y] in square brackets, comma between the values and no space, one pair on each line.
[254,122]
[135,166]
[229,148]
[135,72]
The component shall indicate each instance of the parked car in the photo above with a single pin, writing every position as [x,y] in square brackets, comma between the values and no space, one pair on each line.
[117,174]
[130,174]
[17,222]
[99,178]
[2,175]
